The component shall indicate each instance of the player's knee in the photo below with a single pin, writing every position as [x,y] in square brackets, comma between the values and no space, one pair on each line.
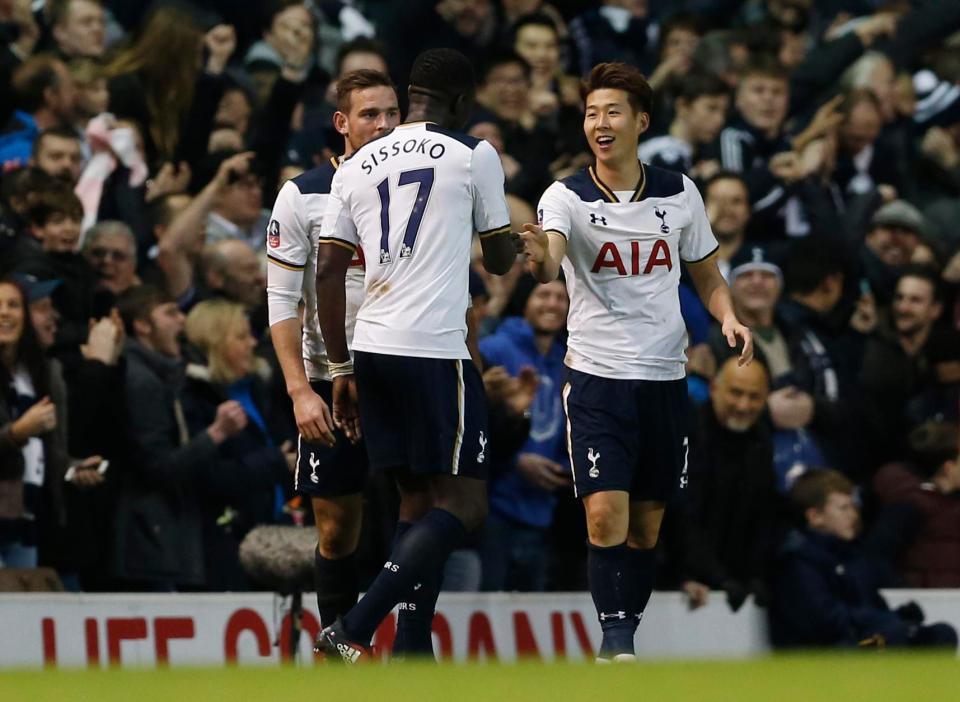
[643,538]
[476,515]
[336,539]
[472,512]
[606,528]
[413,505]
[471,509]
[465,498]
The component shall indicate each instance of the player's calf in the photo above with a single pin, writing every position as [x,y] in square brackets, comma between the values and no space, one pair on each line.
[338,522]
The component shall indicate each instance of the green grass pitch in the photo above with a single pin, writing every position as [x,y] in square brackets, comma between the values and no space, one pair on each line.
[847,678]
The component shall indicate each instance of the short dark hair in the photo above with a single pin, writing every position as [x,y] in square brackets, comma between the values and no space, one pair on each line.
[766,66]
[360,45]
[699,84]
[812,489]
[32,78]
[535,19]
[59,9]
[724,175]
[681,20]
[139,302]
[272,8]
[812,260]
[59,132]
[503,57]
[620,76]
[360,80]
[444,71]
[54,201]
[24,181]
[923,272]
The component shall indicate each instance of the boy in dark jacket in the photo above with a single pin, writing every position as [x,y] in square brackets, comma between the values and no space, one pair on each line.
[826,590]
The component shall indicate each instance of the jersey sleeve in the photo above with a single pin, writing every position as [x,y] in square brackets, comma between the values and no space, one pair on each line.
[697,241]
[338,226]
[553,211]
[288,247]
[490,212]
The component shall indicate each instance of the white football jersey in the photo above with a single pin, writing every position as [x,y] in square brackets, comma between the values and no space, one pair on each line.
[411,201]
[623,269]
[292,237]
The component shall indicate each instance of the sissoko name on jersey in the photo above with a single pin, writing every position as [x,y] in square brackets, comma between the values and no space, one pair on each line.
[425,146]
[410,201]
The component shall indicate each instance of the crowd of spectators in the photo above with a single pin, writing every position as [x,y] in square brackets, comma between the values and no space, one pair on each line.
[144,427]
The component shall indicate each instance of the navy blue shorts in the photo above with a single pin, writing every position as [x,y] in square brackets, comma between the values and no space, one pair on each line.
[424,415]
[330,471]
[627,435]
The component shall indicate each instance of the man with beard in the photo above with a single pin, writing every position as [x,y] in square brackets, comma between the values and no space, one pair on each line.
[57,152]
[727,202]
[730,514]
[896,363]
[896,233]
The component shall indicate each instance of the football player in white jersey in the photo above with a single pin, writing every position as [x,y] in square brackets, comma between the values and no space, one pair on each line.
[411,200]
[331,470]
[620,229]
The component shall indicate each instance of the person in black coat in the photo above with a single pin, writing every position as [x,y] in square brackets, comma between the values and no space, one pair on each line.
[826,586]
[159,532]
[729,521]
[826,350]
[243,486]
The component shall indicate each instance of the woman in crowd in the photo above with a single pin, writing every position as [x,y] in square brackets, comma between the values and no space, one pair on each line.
[162,82]
[244,488]
[32,432]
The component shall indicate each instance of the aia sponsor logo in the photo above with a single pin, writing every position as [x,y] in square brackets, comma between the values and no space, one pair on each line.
[640,262]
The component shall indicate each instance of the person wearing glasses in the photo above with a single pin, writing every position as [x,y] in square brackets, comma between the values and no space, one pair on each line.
[111,249]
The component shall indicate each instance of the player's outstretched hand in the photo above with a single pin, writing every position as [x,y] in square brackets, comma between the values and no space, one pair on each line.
[733,330]
[536,243]
[346,414]
[314,421]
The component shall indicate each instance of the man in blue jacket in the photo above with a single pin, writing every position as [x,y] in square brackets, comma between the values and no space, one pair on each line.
[826,591]
[522,489]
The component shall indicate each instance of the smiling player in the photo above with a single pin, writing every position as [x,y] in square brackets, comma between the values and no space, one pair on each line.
[620,230]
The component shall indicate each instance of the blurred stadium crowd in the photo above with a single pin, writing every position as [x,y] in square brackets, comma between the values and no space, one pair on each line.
[824,136]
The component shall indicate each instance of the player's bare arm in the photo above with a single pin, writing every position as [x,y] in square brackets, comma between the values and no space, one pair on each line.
[314,421]
[544,250]
[333,260]
[500,249]
[715,295]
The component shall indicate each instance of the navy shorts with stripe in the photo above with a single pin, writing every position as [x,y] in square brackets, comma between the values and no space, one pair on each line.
[424,415]
[627,435]
[325,471]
